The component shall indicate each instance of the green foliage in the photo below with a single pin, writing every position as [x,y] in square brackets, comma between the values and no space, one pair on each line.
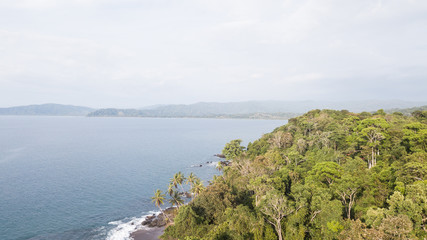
[242,222]
[258,147]
[326,172]
[325,175]
[212,203]
[158,198]
[187,223]
[233,149]
[374,217]
[269,233]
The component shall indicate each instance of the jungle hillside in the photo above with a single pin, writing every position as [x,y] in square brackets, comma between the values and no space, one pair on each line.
[325,175]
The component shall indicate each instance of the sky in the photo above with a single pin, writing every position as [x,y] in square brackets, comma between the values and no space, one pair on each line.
[134,53]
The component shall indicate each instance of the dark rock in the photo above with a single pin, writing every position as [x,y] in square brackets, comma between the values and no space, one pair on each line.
[159,220]
[220,155]
[225,163]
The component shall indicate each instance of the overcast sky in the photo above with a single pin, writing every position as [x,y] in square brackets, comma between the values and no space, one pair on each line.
[133,53]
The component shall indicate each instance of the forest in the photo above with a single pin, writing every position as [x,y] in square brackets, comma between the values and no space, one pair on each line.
[324,175]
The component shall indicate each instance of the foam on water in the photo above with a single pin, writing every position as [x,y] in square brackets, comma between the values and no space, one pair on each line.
[207,164]
[212,164]
[127,226]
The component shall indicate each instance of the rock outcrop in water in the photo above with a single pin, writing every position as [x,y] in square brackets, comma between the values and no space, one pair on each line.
[159,220]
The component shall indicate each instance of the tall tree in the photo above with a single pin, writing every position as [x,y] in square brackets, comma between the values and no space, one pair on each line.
[191,179]
[170,189]
[178,179]
[347,189]
[197,188]
[158,200]
[176,199]
[276,207]
[372,132]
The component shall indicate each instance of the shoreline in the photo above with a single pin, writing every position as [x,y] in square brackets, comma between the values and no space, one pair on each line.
[152,233]
[153,226]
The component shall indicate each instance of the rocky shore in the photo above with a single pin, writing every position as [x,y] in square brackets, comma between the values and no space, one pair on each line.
[154,225]
[159,220]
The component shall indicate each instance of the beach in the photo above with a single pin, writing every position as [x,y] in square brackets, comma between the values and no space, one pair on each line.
[148,234]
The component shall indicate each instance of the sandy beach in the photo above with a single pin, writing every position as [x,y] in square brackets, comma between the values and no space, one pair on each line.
[148,234]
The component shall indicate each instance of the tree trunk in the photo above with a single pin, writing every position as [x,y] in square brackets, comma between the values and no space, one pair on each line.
[349,211]
[164,214]
[279,230]
[182,188]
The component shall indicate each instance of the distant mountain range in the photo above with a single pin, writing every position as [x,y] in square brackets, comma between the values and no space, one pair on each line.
[48,109]
[250,109]
[407,111]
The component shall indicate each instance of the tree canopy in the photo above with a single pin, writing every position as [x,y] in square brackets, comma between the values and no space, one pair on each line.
[324,175]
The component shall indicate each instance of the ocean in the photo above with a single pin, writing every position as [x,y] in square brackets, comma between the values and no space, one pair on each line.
[92,178]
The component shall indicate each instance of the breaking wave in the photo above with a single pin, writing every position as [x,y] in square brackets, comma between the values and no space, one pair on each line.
[125,227]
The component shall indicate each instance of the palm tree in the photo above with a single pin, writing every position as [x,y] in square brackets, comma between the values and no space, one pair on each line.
[191,179]
[158,200]
[176,199]
[198,187]
[179,177]
[170,189]
[174,181]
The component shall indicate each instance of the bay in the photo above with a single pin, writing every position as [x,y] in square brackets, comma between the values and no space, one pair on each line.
[91,178]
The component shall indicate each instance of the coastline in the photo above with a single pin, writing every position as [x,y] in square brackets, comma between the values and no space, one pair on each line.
[152,233]
[153,226]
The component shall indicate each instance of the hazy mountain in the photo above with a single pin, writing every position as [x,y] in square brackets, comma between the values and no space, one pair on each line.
[49,109]
[282,109]
[406,111]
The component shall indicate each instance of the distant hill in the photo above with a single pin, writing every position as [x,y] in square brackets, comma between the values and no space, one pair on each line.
[406,111]
[49,109]
[251,109]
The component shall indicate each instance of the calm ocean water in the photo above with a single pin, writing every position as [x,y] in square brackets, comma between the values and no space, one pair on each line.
[92,178]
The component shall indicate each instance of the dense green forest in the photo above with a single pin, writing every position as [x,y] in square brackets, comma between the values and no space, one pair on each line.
[324,175]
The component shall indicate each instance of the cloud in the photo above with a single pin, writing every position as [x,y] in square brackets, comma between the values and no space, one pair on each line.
[43,4]
[137,53]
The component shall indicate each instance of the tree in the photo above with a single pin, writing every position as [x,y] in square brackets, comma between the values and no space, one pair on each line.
[301,145]
[326,172]
[178,179]
[191,179]
[197,188]
[170,189]
[347,188]
[233,149]
[397,227]
[219,166]
[372,132]
[259,186]
[176,199]
[242,222]
[158,200]
[276,207]
[415,137]
[187,223]
[281,139]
